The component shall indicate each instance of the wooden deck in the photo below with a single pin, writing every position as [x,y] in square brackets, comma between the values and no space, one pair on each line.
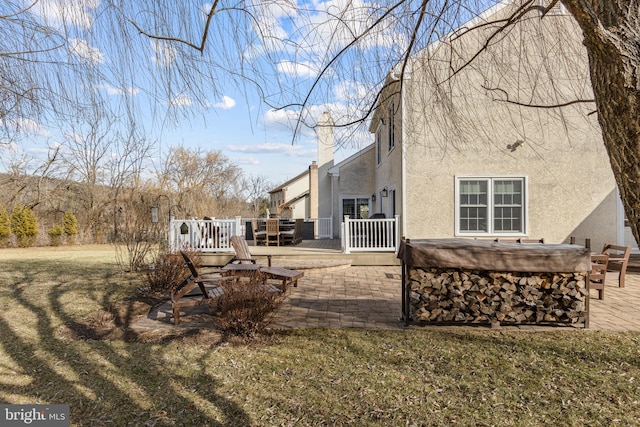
[308,254]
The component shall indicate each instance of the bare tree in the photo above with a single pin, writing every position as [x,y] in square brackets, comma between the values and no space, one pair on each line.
[257,193]
[345,47]
[204,183]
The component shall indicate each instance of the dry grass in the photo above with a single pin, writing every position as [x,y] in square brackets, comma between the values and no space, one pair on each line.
[307,377]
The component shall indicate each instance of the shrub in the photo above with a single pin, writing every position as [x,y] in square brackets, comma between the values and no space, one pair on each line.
[70,226]
[5,227]
[24,225]
[55,235]
[246,306]
[167,272]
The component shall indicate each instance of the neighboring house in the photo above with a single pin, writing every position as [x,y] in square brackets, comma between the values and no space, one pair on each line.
[465,157]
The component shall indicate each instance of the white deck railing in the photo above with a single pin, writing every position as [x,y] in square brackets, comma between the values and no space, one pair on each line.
[323,227]
[211,235]
[374,235]
[214,235]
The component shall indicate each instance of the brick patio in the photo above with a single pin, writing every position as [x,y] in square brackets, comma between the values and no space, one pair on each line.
[370,297]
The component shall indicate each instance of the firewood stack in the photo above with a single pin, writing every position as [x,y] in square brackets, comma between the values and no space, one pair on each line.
[441,295]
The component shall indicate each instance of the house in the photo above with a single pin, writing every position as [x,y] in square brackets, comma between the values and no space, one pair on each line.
[478,154]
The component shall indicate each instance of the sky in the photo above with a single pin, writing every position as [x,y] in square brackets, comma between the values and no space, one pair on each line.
[284,49]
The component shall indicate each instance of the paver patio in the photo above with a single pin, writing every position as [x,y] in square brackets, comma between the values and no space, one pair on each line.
[370,297]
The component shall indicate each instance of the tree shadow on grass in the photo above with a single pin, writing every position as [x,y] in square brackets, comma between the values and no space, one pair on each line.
[105,383]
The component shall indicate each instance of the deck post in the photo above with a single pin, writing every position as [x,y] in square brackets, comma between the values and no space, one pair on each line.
[346,235]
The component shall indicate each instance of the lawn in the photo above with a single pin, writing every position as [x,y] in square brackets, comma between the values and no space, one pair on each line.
[407,377]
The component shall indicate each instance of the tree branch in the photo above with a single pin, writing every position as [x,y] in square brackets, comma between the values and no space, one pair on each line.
[522,104]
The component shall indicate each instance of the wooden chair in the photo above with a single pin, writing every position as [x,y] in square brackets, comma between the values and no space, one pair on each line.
[294,235]
[297,233]
[618,260]
[243,254]
[182,296]
[284,276]
[258,235]
[598,273]
[272,232]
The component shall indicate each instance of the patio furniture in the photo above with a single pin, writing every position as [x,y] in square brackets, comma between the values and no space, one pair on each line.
[598,273]
[182,296]
[243,254]
[258,235]
[618,260]
[273,232]
[292,235]
[244,264]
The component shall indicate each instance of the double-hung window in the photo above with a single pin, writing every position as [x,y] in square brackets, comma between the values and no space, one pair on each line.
[491,206]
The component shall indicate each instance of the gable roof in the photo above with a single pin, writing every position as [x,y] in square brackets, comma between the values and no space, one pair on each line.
[335,170]
[289,182]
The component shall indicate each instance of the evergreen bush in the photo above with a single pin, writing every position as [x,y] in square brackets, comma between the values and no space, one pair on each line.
[24,225]
[5,227]
[70,226]
[55,235]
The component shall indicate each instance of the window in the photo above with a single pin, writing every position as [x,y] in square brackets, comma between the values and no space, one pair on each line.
[356,208]
[391,126]
[491,205]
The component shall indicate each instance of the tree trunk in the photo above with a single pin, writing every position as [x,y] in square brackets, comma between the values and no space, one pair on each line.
[611,30]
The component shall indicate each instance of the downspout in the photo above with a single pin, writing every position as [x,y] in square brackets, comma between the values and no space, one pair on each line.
[403,166]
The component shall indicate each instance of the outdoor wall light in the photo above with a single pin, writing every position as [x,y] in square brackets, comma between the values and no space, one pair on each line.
[373,197]
[385,193]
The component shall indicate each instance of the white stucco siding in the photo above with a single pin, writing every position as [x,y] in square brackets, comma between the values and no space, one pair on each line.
[464,126]
[388,171]
[354,180]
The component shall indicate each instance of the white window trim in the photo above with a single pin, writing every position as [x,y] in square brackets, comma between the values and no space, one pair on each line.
[525,208]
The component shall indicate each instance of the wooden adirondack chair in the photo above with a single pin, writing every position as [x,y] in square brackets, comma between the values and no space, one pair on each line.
[284,276]
[209,285]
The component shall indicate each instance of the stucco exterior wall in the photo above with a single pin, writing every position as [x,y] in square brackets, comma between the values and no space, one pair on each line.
[388,170]
[355,179]
[468,125]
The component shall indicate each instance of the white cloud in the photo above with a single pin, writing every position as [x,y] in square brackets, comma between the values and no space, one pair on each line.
[165,55]
[181,100]
[247,160]
[269,17]
[112,90]
[226,104]
[350,90]
[299,69]
[81,49]
[291,150]
[56,13]
[28,127]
